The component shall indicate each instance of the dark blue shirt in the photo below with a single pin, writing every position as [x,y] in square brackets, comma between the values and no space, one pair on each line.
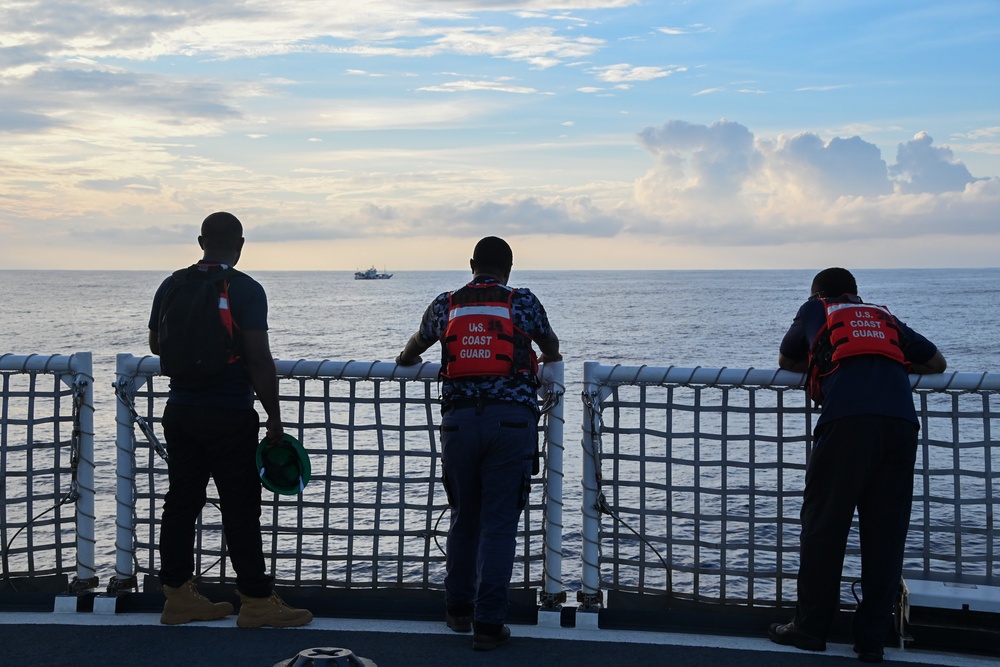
[863,385]
[232,389]
[528,316]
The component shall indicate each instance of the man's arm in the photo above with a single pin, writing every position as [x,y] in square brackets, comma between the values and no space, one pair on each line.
[263,377]
[154,342]
[935,364]
[414,347]
[794,365]
[549,345]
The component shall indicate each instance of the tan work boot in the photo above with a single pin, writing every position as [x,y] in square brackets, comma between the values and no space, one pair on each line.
[185,604]
[271,611]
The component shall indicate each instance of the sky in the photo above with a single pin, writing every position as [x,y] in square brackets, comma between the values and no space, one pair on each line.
[591,134]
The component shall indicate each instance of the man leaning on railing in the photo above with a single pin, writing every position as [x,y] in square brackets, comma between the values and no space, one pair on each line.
[856,357]
[489,430]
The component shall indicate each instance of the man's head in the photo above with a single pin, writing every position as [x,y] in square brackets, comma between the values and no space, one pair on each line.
[492,255]
[221,237]
[831,283]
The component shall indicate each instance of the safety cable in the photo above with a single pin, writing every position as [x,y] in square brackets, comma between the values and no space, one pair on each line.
[591,404]
[158,447]
[551,399]
[144,426]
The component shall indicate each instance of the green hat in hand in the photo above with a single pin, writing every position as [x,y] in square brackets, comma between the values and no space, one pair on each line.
[284,467]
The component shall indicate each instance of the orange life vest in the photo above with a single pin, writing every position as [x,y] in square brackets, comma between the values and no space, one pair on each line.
[481,339]
[851,329]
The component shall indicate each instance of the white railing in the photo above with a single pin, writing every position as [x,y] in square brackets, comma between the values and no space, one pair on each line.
[692,481]
[47,468]
[702,471]
[370,516]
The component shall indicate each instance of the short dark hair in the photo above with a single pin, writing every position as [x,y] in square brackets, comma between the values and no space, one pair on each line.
[222,230]
[833,282]
[493,252]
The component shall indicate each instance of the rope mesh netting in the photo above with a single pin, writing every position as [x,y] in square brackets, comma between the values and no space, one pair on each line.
[38,458]
[956,492]
[374,513]
[710,480]
[704,483]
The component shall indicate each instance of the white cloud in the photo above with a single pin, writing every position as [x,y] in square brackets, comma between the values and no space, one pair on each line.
[471,86]
[981,133]
[838,167]
[696,28]
[625,72]
[820,89]
[921,167]
[719,181]
[37,33]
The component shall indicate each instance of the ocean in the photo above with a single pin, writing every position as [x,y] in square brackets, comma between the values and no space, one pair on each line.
[710,319]
[684,318]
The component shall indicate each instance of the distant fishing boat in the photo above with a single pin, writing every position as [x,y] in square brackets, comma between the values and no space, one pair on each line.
[371,274]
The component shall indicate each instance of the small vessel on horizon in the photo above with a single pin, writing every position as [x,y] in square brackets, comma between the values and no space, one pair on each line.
[372,274]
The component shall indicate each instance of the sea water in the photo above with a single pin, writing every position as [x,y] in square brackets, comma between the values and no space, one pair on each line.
[712,319]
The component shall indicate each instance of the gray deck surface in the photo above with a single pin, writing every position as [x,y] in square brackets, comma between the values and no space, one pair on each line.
[138,640]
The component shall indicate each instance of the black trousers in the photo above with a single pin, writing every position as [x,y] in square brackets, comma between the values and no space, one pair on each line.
[212,442]
[865,463]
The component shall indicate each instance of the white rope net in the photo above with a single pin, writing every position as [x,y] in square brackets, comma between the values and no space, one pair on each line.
[40,449]
[374,513]
[700,475]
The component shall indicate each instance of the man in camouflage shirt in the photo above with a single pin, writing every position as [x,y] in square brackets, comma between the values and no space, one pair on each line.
[489,430]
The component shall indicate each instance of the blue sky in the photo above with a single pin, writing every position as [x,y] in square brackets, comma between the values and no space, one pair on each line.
[589,133]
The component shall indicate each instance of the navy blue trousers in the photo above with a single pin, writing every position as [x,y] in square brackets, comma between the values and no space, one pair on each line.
[487,455]
[217,443]
[866,463]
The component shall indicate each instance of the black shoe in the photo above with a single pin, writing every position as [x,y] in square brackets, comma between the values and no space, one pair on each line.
[789,635]
[459,622]
[868,655]
[487,642]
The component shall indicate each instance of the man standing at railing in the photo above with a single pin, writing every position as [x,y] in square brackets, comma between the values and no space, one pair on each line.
[209,326]
[856,357]
[489,430]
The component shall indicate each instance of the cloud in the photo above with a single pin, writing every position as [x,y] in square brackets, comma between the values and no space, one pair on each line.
[512,215]
[37,34]
[839,167]
[921,167]
[694,29]
[21,121]
[471,86]
[706,185]
[509,216]
[720,183]
[134,184]
[624,72]
[819,89]
[701,160]
[981,133]
[527,215]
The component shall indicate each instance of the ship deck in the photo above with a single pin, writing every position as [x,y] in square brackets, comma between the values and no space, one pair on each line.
[85,639]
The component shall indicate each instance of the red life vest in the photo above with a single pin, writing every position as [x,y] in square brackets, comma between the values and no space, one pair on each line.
[851,329]
[481,339]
